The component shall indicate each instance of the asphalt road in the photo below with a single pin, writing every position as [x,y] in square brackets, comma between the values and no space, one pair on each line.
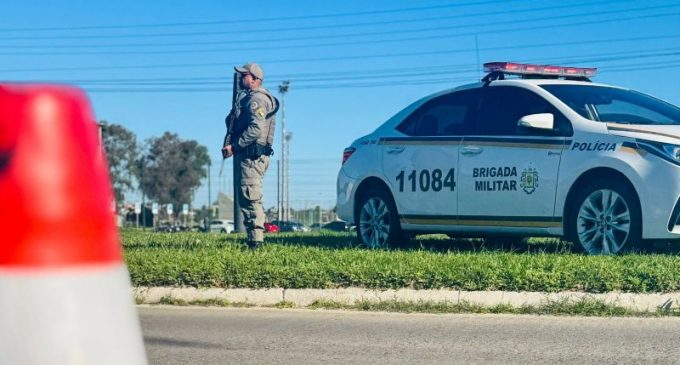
[273,336]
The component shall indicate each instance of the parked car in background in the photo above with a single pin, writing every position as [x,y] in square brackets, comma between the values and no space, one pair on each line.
[271,227]
[288,226]
[315,226]
[170,228]
[221,226]
[337,226]
[197,228]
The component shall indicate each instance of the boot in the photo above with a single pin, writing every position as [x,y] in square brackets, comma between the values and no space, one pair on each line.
[254,245]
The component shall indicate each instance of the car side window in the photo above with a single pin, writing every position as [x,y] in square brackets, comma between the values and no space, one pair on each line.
[503,106]
[447,115]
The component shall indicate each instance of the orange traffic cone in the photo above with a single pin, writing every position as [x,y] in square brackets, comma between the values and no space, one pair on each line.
[65,293]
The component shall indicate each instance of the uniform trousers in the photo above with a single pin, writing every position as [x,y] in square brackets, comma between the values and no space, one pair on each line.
[250,199]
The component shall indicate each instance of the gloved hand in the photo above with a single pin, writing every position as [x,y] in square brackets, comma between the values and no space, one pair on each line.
[227,152]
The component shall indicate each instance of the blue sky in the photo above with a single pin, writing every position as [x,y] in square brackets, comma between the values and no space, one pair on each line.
[156,66]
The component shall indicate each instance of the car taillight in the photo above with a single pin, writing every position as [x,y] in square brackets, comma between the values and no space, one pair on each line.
[347,153]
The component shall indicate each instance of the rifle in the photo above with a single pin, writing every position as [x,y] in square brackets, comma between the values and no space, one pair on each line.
[231,118]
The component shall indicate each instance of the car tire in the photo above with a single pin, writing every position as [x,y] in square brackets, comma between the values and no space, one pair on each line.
[377,220]
[605,219]
[223,230]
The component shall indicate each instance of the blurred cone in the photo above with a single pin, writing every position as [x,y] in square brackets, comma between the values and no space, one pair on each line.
[65,293]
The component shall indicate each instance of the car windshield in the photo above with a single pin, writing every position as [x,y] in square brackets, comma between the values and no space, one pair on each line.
[608,104]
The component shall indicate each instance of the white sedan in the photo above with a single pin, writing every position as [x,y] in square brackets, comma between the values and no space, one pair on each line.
[547,153]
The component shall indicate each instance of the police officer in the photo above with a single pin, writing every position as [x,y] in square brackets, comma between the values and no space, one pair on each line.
[250,136]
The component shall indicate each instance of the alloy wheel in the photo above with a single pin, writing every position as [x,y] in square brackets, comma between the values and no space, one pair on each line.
[603,222]
[374,223]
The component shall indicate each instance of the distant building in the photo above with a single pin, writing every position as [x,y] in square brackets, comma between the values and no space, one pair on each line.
[225,207]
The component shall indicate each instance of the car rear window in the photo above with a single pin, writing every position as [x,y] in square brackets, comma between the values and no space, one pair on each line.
[447,115]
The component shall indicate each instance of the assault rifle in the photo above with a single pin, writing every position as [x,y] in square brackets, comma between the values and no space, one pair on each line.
[231,118]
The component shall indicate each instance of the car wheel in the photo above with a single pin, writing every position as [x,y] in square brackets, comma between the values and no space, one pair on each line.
[377,220]
[605,219]
[223,230]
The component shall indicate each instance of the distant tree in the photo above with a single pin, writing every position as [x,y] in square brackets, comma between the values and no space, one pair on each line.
[121,152]
[170,169]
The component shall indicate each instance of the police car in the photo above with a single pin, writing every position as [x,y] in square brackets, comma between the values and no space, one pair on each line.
[531,150]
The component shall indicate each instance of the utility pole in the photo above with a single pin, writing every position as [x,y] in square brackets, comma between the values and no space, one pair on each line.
[142,168]
[287,138]
[283,89]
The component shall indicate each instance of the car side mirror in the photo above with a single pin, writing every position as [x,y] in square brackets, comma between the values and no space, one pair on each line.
[537,121]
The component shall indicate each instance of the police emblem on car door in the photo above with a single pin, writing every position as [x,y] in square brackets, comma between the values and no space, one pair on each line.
[529,180]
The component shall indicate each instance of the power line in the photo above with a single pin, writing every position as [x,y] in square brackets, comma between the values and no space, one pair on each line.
[618,56]
[299,76]
[641,66]
[330,86]
[303,46]
[398,82]
[225,82]
[350,74]
[392,32]
[221,64]
[258,20]
[333,26]
[594,58]
[325,59]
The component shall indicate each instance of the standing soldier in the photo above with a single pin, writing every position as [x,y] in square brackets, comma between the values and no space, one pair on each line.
[250,135]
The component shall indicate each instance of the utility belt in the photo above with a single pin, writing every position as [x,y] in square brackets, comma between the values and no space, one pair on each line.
[255,150]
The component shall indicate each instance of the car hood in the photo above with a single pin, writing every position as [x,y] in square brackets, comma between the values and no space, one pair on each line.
[660,133]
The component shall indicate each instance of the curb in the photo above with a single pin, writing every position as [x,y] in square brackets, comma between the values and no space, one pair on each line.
[305,297]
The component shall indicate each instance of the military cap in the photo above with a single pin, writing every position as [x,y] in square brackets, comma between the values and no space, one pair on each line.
[251,68]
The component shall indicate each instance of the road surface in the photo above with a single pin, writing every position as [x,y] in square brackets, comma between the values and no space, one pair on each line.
[189,335]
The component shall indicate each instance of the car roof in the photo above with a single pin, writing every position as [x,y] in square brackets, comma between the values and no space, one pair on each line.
[539,82]
[516,82]
[397,118]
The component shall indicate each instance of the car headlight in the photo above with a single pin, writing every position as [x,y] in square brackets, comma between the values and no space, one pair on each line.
[672,151]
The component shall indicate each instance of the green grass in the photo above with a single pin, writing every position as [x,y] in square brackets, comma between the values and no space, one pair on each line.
[331,260]
[213,302]
[583,307]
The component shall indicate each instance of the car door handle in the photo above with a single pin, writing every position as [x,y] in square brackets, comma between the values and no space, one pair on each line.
[395,150]
[471,150]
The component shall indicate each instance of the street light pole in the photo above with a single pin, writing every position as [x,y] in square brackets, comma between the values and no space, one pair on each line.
[283,210]
[286,193]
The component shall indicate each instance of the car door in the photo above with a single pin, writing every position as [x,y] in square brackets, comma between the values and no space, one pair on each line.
[421,166]
[508,174]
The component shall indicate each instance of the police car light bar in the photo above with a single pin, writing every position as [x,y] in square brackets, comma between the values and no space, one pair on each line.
[511,68]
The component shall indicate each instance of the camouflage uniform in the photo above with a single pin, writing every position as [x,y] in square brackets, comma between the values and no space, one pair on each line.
[254,125]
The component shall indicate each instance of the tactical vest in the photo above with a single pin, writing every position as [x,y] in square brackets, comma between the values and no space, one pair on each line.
[270,118]
[262,146]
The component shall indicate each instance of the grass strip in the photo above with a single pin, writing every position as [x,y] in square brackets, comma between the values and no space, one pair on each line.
[587,307]
[327,260]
